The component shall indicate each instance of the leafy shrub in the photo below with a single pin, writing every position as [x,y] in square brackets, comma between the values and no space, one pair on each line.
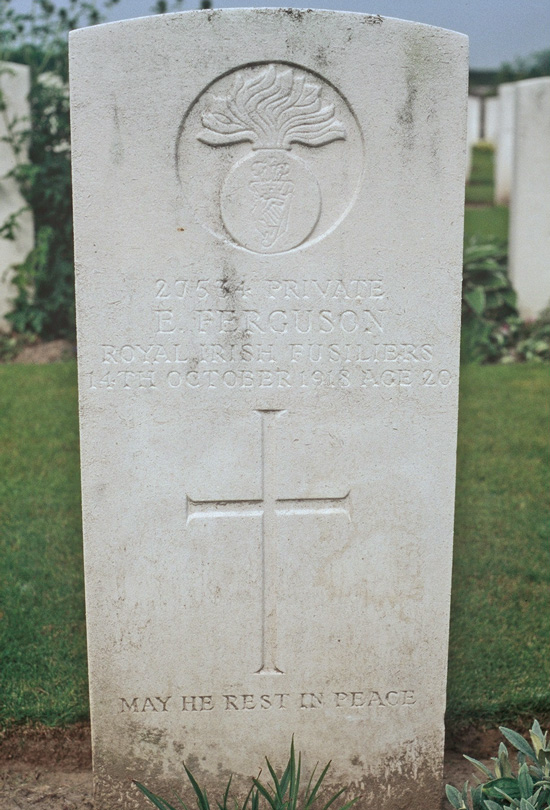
[44,303]
[503,790]
[11,345]
[492,331]
[283,794]
[490,320]
[534,339]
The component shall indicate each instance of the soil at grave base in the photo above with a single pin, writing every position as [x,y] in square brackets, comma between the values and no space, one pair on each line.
[50,768]
[51,351]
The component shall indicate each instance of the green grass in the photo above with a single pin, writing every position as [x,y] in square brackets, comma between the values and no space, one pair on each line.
[483,220]
[499,667]
[486,223]
[480,186]
[42,637]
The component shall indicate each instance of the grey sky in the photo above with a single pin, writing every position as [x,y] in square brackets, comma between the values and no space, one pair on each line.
[499,30]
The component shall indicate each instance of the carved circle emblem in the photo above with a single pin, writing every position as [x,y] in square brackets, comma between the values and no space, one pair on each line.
[270,157]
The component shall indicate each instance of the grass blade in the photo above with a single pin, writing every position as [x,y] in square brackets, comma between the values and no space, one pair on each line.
[311,799]
[202,798]
[278,789]
[271,800]
[161,804]
[226,795]
[333,799]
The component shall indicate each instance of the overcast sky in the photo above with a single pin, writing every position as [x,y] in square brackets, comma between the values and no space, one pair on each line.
[499,30]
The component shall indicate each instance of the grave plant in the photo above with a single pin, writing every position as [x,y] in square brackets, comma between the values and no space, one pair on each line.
[527,789]
[282,793]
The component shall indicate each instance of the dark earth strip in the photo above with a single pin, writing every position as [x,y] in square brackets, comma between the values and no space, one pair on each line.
[50,768]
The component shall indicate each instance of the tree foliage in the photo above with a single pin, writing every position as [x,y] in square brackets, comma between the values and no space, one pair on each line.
[44,303]
[530,67]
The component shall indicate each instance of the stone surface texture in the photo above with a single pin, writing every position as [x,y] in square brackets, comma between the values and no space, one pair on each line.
[504,156]
[14,87]
[529,235]
[268,220]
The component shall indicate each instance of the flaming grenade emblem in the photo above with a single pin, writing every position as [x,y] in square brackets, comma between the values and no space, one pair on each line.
[270,200]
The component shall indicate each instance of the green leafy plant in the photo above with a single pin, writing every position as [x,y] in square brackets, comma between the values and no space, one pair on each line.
[490,320]
[11,345]
[282,794]
[529,789]
[44,281]
[534,341]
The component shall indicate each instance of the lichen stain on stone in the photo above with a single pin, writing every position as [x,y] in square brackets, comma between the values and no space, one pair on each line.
[229,282]
[296,14]
[117,146]
[405,116]
[410,778]
[372,19]
[155,737]
[418,67]
[321,57]
[422,65]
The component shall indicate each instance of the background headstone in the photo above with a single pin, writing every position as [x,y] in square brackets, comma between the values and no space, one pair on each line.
[504,155]
[473,132]
[491,119]
[268,218]
[15,118]
[529,252]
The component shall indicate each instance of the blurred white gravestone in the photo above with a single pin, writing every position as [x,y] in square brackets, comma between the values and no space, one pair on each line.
[14,119]
[490,133]
[505,143]
[529,232]
[268,253]
[473,129]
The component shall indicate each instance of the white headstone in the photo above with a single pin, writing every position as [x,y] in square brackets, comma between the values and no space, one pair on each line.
[491,119]
[529,233]
[473,133]
[505,143]
[268,219]
[15,118]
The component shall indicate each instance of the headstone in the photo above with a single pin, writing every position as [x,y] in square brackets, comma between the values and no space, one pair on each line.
[505,143]
[529,236]
[15,118]
[473,133]
[491,119]
[268,219]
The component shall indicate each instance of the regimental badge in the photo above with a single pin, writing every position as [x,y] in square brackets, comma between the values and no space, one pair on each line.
[271,200]
[270,158]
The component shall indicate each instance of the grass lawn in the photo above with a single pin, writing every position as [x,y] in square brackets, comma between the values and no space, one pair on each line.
[480,186]
[499,666]
[42,636]
[489,223]
[499,669]
[483,219]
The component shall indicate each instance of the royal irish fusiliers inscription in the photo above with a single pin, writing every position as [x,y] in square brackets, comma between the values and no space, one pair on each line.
[268,239]
[279,133]
[211,334]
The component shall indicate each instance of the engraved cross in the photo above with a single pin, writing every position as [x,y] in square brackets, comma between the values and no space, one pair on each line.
[268,507]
